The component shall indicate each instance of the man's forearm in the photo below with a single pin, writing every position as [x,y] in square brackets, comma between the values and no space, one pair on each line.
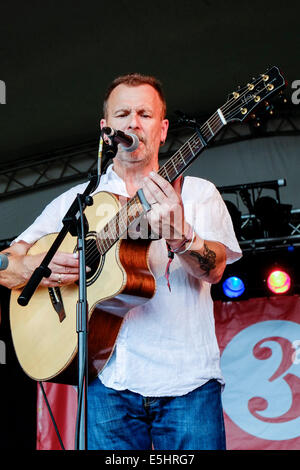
[205,259]
[17,273]
[13,275]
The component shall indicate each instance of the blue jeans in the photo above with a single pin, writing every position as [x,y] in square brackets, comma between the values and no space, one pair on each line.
[128,421]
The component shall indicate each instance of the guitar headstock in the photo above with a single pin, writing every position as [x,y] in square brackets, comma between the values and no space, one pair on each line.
[243,101]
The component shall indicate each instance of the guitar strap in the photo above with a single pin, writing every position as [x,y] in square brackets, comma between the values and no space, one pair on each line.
[178,183]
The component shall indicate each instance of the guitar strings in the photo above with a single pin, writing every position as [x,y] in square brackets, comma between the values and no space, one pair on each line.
[214,126]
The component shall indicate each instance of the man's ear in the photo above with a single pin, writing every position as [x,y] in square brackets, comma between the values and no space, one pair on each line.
[102,123]
[164,130]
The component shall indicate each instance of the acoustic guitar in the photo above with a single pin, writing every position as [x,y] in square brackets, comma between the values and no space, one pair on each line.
[44,332]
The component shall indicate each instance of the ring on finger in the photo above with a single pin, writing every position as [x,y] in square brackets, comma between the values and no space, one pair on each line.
[59,279]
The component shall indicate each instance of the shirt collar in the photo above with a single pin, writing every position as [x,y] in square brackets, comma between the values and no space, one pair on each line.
[112,182]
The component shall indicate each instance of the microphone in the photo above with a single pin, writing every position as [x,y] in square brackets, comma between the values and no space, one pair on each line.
[3,262]
[129,142]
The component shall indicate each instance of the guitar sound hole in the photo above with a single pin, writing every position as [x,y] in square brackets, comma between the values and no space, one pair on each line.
[93,258]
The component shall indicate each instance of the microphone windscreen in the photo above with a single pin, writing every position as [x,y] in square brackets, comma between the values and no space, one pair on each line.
[134,145]
[3,261]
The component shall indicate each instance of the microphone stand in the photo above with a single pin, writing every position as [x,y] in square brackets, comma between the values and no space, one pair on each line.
[82,332]
[76,224]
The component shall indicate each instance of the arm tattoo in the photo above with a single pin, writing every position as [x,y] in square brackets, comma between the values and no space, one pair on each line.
[207,261]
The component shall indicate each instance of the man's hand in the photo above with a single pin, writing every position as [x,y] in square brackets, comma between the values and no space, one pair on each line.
[166,216]
[64,267]
[200,258]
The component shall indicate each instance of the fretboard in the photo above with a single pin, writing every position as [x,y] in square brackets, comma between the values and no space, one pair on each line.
[172,169]
[183,157]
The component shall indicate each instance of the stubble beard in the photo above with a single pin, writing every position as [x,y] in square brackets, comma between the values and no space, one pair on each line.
[139,158]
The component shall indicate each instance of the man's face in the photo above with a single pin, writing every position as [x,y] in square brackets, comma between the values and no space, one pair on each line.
[137,110]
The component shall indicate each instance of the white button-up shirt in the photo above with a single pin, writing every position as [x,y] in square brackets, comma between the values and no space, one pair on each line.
[167,346]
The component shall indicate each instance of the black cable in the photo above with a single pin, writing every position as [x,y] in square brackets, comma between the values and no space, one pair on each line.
[52,417]
[79,409]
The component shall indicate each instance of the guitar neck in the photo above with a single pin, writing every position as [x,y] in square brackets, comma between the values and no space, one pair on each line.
[183,157]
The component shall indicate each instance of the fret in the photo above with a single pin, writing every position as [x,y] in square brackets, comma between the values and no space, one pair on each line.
[120,218]
[181,156]
[102,241]
[215,122]
[101,245]
[110,233]
[172,159]
[180,162]
[210,129]
[105,232]
[191,148]
[134,211]
[197,144]
[163,168]
[122,221]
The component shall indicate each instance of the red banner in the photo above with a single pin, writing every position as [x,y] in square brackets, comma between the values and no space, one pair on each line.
[63,403]
[260,356]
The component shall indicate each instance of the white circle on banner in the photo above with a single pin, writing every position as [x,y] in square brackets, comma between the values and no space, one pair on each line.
[261,367]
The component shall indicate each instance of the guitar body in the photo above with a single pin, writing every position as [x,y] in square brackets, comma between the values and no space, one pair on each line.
[44,332]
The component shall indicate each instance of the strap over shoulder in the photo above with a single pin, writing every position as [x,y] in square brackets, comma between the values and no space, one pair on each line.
[178,183]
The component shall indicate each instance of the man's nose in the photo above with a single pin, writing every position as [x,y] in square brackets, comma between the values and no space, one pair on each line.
[134,121]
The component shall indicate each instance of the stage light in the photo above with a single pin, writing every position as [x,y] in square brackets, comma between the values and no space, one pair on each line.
[279,282]
[233,287]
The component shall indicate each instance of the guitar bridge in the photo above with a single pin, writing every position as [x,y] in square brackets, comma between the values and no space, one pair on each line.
[57,302]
